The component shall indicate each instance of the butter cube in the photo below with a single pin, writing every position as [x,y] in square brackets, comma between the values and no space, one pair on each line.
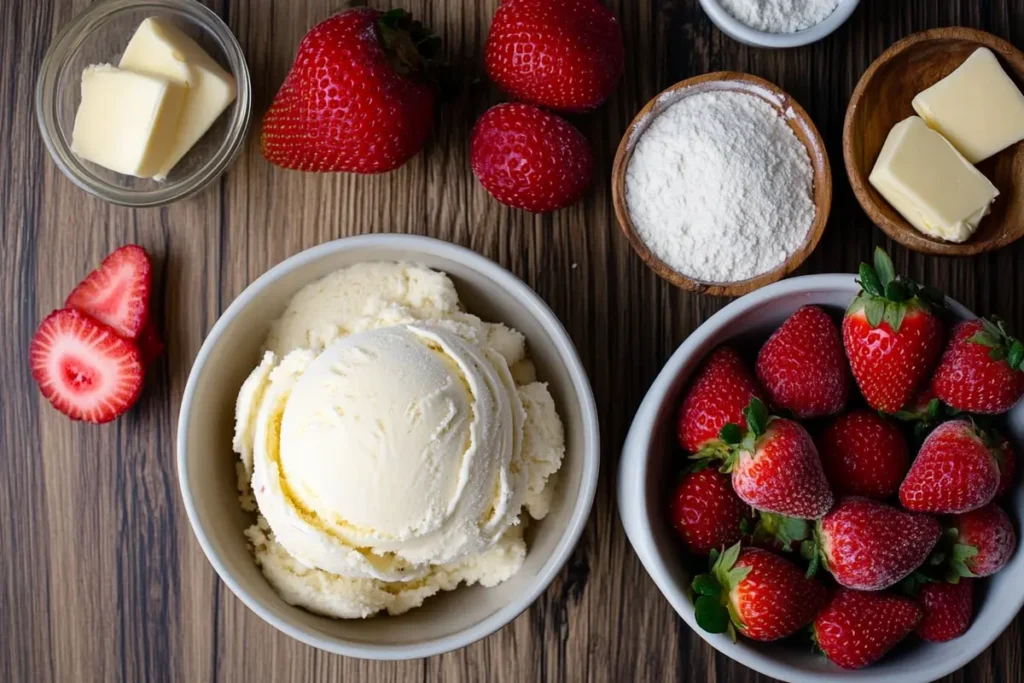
[126,121]
[160,49]
[924,178]
[977,107]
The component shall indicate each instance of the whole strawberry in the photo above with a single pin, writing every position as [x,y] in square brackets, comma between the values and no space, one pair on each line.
[356,98]
[864,454]
[802,366]
[857,629]
[947,609]
[892,335]
[982,369]
[868,545]
[561,54]
[530,159]
[706,512]
[956,470]
[775,465]
[757,593]
[718,395]
[985,541]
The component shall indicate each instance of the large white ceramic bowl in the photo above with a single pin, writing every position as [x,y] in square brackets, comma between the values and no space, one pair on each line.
[646,467]
[206,464]
[737,30]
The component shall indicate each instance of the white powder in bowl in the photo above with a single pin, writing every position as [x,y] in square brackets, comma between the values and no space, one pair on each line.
[720,188]
[780,16]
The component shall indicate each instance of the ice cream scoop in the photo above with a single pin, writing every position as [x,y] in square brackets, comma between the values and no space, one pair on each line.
[392,450]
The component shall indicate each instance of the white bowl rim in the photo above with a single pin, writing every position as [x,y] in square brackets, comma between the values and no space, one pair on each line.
[588,408]
[632,474]
[737,30]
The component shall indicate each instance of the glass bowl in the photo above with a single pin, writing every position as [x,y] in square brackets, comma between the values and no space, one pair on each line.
[98,36]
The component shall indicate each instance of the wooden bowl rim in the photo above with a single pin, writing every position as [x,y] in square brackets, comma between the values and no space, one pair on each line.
[819,162]
[901,231]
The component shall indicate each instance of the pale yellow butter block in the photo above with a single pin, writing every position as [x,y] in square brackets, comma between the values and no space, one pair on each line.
[977,107]
[931,184]
[126,121]
[160,48]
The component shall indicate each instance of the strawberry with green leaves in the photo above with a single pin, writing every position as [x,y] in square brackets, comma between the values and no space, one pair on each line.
[856,629]
[358,97]
[721,389]
[774,464]
[982,369]
[982,540]
[892,335]
[868,545]
[706,513]
[956,470]
[757,593]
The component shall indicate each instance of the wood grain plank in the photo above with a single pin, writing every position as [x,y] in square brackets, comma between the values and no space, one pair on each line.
[102,578]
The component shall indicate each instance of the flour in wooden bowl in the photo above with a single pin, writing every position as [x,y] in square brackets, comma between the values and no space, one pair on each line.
[719,187]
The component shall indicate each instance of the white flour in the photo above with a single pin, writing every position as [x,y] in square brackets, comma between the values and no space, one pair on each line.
[719,187]
[780,16]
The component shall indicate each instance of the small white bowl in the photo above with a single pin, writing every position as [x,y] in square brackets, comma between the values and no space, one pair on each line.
[206,464]
[737,30]
[645,468]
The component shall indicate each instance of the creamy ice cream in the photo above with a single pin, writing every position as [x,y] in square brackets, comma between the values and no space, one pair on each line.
[391,442]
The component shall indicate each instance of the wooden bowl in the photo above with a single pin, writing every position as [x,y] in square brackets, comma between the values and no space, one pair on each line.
[797,119]
[883,98]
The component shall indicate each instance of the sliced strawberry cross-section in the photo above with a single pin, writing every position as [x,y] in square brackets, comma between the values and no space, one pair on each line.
[84,368]
[117,293]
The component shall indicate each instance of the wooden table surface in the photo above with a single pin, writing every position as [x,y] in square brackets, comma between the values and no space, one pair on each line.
[101,578]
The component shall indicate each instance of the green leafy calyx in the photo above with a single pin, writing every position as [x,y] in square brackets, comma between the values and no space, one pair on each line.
[781,531]
[732,440]
[712,606]
[1002,346]
[887,298]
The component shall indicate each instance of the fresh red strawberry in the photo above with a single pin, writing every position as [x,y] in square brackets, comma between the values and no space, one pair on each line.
[356,98]
[1007,459]
[982,369]
[802,366]
[565,55]
[757,593]
[956,470]
[706,512]
[864,454]
[117,293]
[946,609]
[892,335]
[868,545]
[84,368]
[530,159]
[720,392]
[857,629]
[985,541]
[775,466]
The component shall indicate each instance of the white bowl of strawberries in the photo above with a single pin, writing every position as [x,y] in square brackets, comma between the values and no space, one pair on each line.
[845,479]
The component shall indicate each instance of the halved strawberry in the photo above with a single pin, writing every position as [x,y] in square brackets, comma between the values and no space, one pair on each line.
[84,368]
[117,293]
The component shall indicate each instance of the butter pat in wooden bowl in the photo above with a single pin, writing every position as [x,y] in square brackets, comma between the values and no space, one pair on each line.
[883,98]
[711,183]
